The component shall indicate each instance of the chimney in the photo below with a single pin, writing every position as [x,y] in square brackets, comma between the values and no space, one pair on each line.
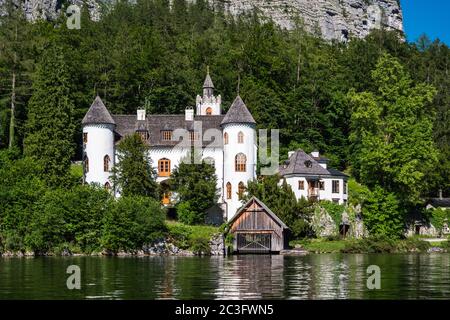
[440,194]
[189,114]
[141,114]
[315,154]
[290,154]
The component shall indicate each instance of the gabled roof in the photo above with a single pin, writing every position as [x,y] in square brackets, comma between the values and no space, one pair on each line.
[98,114]
[155,123]
[262,205]
[297,165]
[208,82]
[439,202]
[238,113]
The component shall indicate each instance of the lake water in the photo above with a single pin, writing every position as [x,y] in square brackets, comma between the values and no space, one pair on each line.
[324,276]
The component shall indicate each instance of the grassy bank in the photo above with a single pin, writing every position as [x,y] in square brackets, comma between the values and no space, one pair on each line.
[369,245]
[195,238]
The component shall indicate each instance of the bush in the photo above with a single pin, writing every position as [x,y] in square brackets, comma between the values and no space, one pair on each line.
[382,214]
[200,246]
[373,244]
[413,244]
[186,214]
[335,210]
[132,222]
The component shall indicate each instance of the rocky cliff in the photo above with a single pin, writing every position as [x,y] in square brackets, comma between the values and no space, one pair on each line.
[332,19]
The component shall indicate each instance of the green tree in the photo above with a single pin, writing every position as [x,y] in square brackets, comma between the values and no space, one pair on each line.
[195,183]
[282,201]
[50,126]
[132,222]
[392,132]
[382,214]
[134,174]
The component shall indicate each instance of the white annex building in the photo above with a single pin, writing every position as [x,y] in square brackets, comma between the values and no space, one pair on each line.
[310,177]
[226,141]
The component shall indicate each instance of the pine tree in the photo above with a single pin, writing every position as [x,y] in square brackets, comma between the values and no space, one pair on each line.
[50,127]
[15,67]
[134,175]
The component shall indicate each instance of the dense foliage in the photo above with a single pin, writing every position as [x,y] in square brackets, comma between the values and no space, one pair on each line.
[133,174]
[195,183]
[78,218]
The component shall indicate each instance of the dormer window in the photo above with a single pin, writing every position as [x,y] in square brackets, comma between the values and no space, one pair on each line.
[166,135]
[308,164]
[143,134]
[194,136]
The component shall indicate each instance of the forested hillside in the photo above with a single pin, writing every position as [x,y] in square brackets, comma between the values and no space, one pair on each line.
[307,87]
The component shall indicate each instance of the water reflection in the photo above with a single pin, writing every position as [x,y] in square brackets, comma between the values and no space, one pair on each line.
[333,276]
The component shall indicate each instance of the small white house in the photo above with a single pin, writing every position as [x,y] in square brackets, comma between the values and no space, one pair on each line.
[309,177]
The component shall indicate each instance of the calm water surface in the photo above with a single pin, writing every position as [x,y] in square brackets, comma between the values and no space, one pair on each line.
[325,276]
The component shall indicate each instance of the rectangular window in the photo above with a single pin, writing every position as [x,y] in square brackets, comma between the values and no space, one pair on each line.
[321,185]
[144,135]
[166,135]
[85,137]
[301,185]
[345,187]
[335,186]
[193,136]
[336,201]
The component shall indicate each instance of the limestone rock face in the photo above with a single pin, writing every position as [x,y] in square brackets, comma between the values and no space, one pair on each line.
[50,9]
[331,19]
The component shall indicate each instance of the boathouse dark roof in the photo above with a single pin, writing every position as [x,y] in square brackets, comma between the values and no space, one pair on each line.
[266,209]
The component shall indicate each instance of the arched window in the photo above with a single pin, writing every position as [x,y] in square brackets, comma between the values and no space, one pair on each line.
[164,167]
[209,160]
[86,164]
[240,137]
[107,186]
[106,161]
[208,111]
[225,138]
[240,162]
[228,190]
[241,189]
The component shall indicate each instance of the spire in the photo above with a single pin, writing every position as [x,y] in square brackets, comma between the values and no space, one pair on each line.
[98,113]
[238,113]
[208,86]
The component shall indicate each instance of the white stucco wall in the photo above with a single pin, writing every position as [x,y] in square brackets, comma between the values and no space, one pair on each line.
[325,194]
[100,142]
[230,151]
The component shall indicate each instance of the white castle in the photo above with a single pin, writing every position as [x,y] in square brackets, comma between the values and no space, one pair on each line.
[228,142]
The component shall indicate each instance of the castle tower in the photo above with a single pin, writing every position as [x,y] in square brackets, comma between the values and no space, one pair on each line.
[240,157]
[98,144]
[208,104]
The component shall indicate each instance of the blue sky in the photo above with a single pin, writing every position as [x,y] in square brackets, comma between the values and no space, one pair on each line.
[431,17]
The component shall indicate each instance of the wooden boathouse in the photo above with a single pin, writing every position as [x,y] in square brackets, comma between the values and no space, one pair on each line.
[256,229]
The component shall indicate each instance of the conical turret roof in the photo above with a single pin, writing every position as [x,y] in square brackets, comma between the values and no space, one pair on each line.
[238,113]
[208,82]
[98,113]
